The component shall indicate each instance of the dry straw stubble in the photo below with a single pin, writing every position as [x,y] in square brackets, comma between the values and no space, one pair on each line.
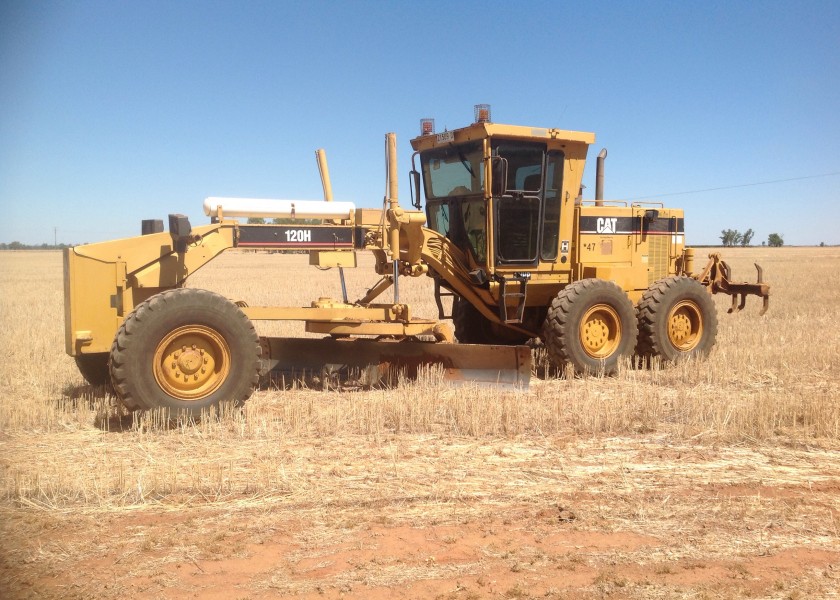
[764,407]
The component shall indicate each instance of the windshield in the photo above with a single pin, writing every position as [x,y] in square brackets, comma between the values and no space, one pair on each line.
[453,171]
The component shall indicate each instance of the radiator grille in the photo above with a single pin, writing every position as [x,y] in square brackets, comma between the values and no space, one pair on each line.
[659,247]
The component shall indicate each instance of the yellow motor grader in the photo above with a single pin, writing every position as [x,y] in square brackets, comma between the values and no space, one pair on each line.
[505,235]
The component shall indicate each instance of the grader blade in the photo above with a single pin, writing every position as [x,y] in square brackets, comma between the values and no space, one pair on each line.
[369,363]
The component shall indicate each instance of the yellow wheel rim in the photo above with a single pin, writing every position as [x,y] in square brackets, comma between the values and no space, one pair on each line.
[600,331]
[192,362]
[685,326]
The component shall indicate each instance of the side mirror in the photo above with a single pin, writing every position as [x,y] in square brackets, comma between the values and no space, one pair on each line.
[415,188]
[499,170]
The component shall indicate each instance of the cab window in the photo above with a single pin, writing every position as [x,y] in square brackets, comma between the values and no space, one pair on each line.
[453,170]
[438,213]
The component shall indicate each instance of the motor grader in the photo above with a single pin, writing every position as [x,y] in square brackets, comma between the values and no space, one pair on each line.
[505,235]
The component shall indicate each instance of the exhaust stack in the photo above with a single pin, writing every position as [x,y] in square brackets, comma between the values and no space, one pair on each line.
[599,178]
[321,156]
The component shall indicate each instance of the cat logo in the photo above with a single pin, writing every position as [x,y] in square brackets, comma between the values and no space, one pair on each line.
[606,224]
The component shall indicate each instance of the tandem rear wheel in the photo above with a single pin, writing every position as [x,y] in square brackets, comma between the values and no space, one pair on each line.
[590,325]
[185,350]
[677,320]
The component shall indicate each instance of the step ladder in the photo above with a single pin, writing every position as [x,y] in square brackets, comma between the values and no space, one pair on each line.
[442,292]
[518,294]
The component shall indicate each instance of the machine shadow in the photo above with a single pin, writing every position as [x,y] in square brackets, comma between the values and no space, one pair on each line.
[110,415]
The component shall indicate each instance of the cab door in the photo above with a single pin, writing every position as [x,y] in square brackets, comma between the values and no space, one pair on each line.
[518,210]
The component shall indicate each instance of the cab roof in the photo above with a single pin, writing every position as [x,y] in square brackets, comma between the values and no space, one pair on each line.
[479,131]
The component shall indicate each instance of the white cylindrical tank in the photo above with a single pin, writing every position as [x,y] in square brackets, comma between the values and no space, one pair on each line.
[284,209]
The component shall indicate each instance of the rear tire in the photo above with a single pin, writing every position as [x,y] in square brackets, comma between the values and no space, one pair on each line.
[94,368]
[185,350]
[677,320]
[471,327]
[590,325]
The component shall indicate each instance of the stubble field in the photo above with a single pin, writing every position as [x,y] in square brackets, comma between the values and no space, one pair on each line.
[714,479]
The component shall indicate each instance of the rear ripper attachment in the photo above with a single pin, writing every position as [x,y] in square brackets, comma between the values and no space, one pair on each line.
[716,276]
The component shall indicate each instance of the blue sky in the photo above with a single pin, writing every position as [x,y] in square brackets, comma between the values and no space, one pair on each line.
[112,112]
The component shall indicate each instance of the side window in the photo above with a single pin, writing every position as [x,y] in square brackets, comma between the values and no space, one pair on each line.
[551,214]
[439,217]
[475,225]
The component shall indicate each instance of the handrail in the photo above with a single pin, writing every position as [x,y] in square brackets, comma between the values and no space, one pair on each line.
[609,202]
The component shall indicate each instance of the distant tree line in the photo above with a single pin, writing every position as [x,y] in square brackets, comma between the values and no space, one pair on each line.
[22,246]
[733,237]
[729,237]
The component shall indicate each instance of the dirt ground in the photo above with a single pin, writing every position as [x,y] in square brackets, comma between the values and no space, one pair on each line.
[710,481]
[427,517]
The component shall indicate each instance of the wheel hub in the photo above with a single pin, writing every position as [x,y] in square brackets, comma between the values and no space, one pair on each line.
[685,326]
[680,328]
[192,362]
[595,334]
[600,331]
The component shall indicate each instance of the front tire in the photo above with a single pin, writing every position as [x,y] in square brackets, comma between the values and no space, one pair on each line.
[677,320]
[185,350]
[590,325]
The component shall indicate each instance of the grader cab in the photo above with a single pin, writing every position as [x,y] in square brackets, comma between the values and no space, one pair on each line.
[596,280]
[509,240]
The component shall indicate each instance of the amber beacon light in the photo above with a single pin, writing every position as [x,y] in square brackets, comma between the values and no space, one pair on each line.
[427,126]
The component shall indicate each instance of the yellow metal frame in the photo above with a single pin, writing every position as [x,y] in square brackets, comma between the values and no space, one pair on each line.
[104,282]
